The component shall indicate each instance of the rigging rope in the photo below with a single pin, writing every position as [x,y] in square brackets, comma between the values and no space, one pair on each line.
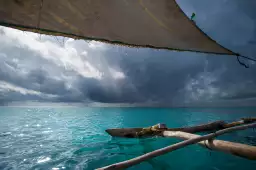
[241,63]
[247,58]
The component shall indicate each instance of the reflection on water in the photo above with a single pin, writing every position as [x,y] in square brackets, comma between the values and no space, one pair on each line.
[74,138]
[43,159]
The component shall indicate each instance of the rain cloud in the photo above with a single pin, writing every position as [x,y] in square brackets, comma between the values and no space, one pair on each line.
[55,69]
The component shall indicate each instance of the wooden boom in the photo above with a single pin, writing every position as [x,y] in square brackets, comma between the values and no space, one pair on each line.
[132,132]
[212,126]
[248,151]
[242,150]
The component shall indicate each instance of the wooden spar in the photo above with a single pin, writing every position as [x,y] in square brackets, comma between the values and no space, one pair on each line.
[150,155]
[212,126]
[232,124]
[242,121]
[242,150]
[131,132]
[216,125]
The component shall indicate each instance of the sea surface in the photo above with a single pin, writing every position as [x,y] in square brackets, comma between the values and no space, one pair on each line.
[42,138]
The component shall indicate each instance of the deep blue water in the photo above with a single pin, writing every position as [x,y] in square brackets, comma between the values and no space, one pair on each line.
[74,138]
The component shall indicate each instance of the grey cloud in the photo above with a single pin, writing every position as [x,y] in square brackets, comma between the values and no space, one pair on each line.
[157,76]
[150,76]
[28,74]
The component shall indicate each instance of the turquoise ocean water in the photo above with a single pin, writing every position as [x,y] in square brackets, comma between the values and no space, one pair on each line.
[74,138]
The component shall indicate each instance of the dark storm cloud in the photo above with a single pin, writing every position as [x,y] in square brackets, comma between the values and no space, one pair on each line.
[63,70]
[34,78]
[159,75]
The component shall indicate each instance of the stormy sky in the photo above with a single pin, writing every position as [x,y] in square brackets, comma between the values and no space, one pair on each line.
[55,69]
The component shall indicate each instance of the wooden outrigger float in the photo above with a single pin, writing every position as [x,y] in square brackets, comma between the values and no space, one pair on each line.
[216,128]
